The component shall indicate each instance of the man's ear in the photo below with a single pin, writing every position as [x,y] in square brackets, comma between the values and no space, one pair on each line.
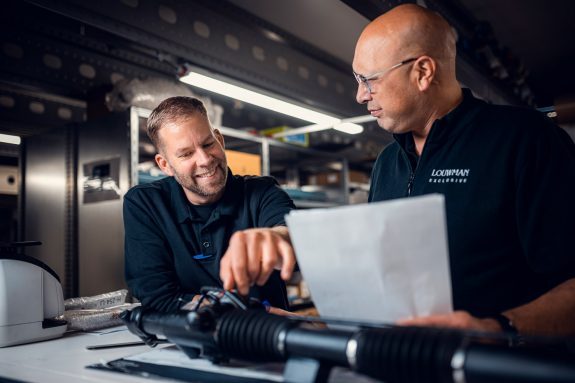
[163,164]
[219,136]
[425,69]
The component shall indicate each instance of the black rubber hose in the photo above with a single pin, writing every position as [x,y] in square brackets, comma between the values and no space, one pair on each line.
[252,335]
[407,354]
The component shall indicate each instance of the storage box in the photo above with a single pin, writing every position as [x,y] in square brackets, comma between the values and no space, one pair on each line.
[359,177]
[334,178]
[245,164]
[297,139]
[322,179]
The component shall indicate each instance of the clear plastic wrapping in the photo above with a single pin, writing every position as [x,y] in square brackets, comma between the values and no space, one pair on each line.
[96,312]
[101,301]
[96,319]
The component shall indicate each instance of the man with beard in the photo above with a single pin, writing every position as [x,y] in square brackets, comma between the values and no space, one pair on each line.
[507,173]
[203,226]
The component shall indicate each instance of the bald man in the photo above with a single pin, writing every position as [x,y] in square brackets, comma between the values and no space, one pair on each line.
[507,173]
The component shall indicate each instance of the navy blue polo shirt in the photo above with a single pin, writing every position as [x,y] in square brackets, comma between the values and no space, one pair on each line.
[172,251]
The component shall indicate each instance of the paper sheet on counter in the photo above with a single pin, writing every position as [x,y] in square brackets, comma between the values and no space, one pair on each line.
[376,262]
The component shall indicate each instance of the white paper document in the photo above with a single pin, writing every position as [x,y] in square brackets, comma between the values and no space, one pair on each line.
[376,262]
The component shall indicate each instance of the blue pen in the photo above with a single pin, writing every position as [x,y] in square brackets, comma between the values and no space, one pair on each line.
[266,304]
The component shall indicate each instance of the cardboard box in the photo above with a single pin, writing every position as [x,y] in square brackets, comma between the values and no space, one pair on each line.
[245,164]
[359,177]
[326,178]
[334,178]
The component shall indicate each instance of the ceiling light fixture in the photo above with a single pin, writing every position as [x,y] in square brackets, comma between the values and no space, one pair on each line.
[320,120]
[346,125]
[255,98]
[9,139]
[349,128]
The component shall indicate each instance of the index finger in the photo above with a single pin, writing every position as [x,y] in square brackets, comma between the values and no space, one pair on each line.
[233,269]
[288,259]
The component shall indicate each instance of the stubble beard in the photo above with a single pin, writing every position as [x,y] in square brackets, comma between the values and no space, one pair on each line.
[188,181]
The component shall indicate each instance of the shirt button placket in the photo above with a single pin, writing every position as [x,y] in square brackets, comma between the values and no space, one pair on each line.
[207,246]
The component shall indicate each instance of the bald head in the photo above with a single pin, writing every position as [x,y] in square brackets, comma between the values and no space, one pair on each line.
[405,67]
[407,31]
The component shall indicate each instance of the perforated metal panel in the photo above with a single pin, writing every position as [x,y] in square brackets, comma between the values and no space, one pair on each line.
[216,36]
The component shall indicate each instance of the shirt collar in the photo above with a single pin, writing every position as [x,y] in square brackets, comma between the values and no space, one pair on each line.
[227,205]
[455,119]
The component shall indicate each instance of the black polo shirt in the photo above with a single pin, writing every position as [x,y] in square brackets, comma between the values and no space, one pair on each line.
[508,176]
[171,252]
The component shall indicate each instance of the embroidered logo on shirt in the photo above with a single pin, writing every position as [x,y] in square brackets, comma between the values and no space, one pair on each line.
[453,176]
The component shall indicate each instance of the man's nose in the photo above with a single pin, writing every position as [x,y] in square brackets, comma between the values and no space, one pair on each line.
[203,157]
[362,96]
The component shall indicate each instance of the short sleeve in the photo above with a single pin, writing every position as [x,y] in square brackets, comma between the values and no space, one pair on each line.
[272,203]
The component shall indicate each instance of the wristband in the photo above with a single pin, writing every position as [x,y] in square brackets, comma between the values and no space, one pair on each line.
[506,324]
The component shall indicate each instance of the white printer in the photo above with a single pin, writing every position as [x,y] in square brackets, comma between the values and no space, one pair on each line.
[31,299]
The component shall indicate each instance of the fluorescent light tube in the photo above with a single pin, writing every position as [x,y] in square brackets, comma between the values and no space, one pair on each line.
[9,139]
[258,99]
[349,128]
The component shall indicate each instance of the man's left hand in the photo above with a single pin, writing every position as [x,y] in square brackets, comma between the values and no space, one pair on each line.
[457,319]
[253,255]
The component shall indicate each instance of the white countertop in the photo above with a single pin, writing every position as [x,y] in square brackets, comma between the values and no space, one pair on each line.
[64,359]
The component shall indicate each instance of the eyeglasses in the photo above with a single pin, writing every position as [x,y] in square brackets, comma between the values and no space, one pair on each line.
[365,80]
